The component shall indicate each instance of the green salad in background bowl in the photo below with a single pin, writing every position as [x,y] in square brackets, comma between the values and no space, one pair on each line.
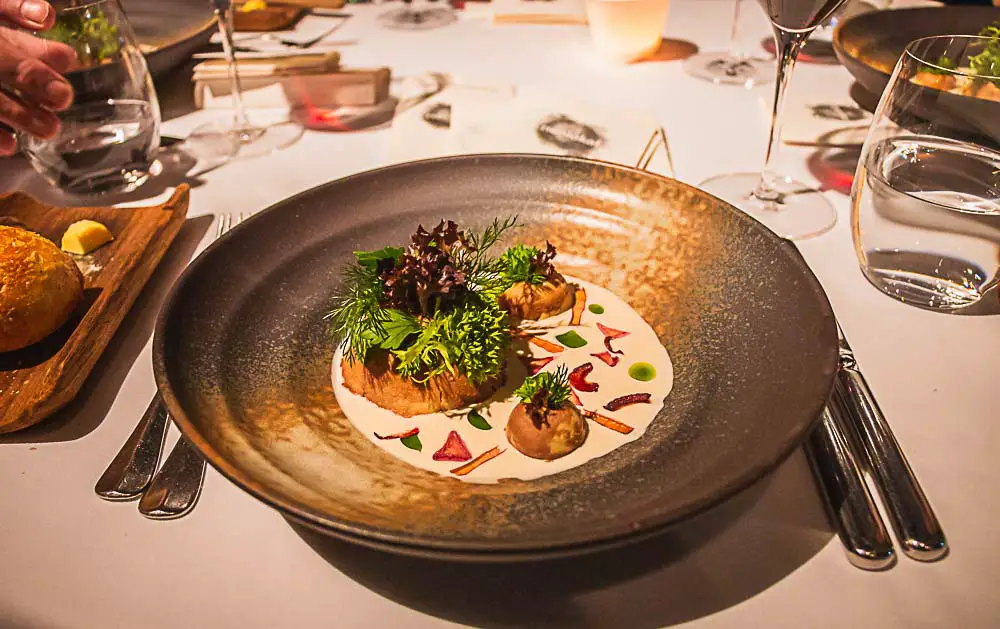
[89,32]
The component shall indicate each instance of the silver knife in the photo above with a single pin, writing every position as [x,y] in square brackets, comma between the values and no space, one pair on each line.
[848,502]
[910,513]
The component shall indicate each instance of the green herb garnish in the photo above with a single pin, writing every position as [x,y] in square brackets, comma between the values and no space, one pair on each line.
[412,442]
[546,390]
[433,305]
[88,32]
[478,421]
[941,66]
[987,62]
[528,264]
[571,339]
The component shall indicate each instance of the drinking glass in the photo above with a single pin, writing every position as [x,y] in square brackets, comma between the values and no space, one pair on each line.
[108,138]
[925,212]
[787,207]
[408,18]
[236,134]
[627,30]
[730,67]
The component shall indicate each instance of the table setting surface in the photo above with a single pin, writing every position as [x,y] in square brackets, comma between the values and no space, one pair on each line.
[766,558]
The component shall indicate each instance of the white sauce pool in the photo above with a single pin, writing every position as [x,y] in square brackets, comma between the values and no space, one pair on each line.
[641,345]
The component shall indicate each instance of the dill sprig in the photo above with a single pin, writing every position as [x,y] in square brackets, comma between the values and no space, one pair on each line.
[546,390]
[433,304]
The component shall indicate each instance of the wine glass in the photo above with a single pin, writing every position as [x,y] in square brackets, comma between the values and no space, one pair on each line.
[787,207]
[108,138]
[730,67]
[408,18]
[925,207]
[237,135]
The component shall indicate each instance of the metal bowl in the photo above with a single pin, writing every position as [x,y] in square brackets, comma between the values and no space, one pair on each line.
[242,357]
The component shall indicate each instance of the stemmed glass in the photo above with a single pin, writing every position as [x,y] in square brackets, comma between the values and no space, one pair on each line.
[236,135]
[408,18]
[787,207]
[730,67]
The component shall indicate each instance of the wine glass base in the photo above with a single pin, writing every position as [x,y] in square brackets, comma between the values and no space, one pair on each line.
[225,139]
[798,211]
[417,19]
[723,68]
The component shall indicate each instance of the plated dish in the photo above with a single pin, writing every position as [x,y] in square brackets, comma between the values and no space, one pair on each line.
[738,331]
[487,366]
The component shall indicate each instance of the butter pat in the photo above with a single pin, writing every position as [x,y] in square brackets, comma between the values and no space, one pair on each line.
[82,237]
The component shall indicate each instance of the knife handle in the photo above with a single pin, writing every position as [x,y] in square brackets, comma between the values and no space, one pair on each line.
[910,514]
[849,504]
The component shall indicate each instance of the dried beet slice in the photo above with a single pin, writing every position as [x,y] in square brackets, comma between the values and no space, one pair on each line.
[399,435]
[535,365]
[578,378]
[454,449]
[607,358]
[628,400]
[611,332]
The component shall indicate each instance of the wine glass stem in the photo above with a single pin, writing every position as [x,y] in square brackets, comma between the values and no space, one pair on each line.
[789,44]
[224,18]
[730,49]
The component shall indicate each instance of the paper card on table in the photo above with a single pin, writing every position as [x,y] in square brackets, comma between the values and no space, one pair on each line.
[539,122]
[822,113]
[423,129]
[539,12]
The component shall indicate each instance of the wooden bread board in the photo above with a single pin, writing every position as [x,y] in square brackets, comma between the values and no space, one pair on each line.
[39,380]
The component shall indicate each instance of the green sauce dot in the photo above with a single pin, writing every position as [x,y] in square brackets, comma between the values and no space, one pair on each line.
[571,339]
[596,308]
[643,372]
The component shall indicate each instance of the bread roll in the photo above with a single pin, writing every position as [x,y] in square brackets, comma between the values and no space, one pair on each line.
[40,288]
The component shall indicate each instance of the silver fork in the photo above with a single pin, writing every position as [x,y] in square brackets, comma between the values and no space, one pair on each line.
[175,489]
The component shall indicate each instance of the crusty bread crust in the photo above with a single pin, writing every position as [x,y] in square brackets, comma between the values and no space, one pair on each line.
[40,287]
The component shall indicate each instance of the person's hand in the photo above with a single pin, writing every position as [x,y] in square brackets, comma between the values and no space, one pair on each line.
[33,68]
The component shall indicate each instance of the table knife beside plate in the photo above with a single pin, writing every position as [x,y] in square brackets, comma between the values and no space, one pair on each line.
[910,513]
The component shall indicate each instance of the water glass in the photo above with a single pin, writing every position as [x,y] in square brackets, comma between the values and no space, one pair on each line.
[109,136]
[925,211]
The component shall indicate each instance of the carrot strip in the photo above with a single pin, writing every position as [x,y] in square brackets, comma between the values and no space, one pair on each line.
[479,460]
[547,345]
[399,435]
[607,422]
[579,303]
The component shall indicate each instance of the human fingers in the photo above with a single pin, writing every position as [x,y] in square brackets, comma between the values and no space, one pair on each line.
[39,84]
[34,14]
[32,120]
[16,46]
[8,145]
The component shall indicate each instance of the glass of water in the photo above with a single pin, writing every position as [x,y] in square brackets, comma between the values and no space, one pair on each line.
[109,136]
[925,210]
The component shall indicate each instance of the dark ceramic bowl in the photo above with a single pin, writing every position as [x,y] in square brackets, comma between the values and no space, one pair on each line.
[869,46]
[242,356]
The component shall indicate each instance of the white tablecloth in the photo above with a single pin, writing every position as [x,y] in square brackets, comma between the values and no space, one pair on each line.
[68,559]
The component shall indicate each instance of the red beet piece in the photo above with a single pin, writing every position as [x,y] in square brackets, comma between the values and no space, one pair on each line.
[399,435]
[454,449]
[578,378]
[627,400]
[607,358]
